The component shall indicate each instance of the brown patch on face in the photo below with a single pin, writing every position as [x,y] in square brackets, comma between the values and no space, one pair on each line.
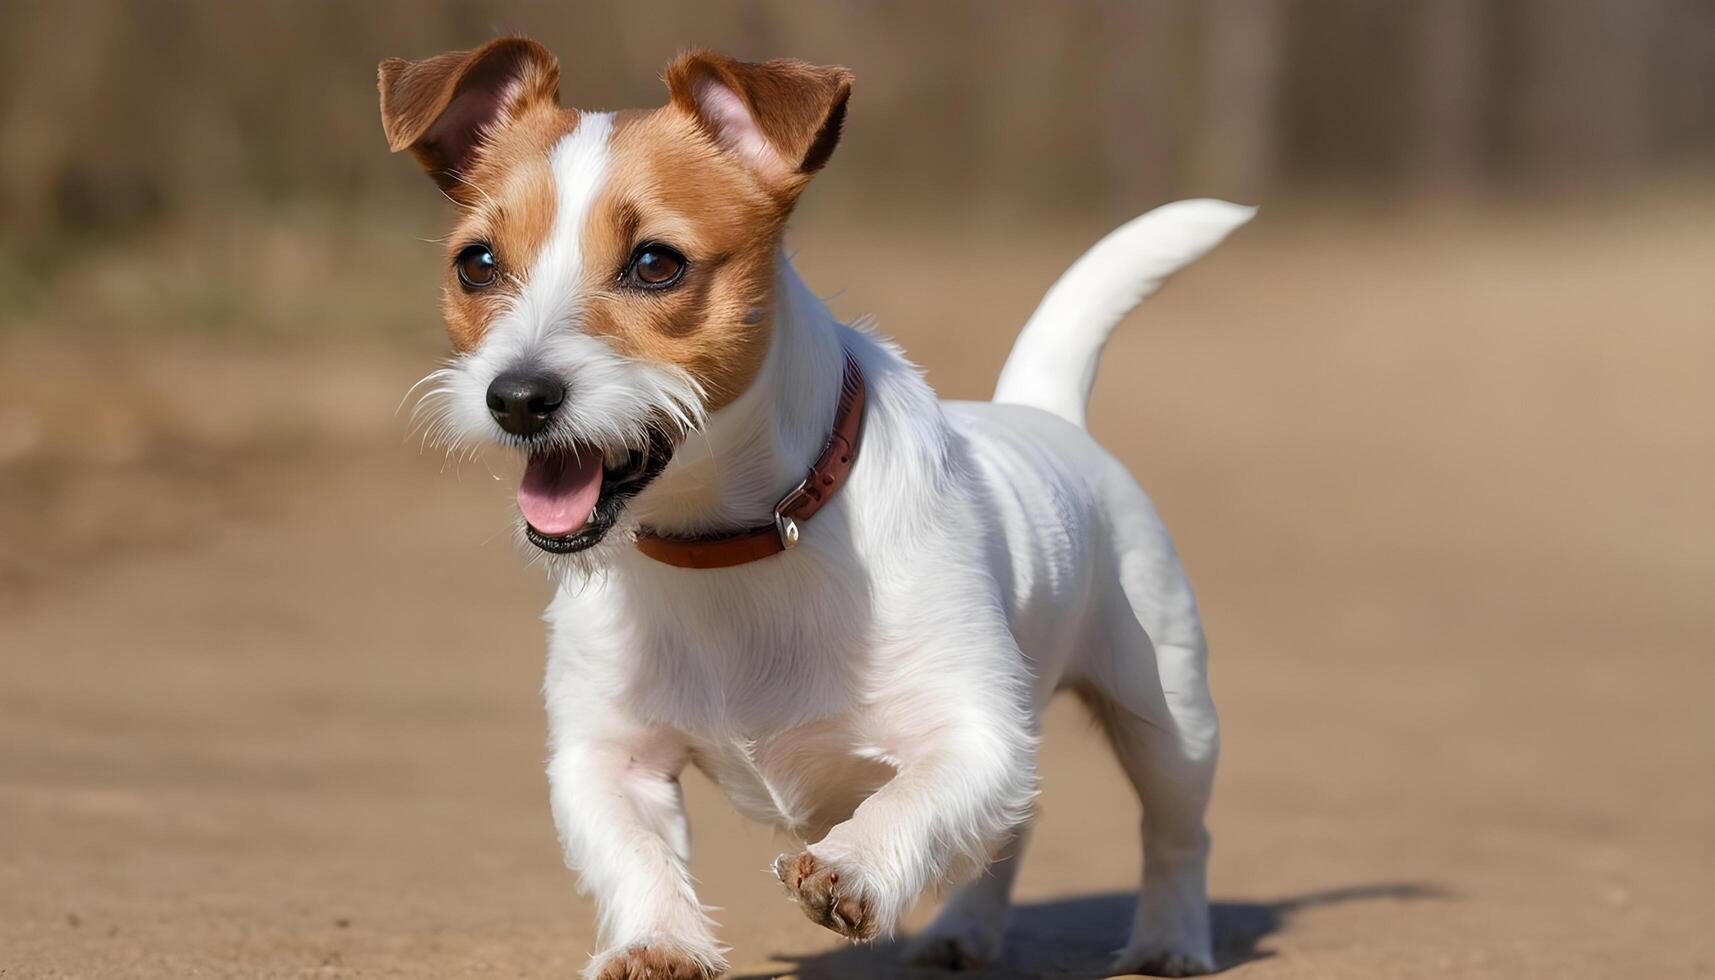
[512,202]
[440,107]
[668,183]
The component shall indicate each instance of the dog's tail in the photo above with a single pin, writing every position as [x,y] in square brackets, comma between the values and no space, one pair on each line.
[1053,362]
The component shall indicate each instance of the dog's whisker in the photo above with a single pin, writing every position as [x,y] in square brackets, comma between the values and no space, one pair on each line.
[439,375]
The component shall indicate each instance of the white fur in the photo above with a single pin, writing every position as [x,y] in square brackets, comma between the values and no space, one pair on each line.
[876,691]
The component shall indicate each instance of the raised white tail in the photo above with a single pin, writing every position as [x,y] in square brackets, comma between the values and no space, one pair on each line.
[1053,363]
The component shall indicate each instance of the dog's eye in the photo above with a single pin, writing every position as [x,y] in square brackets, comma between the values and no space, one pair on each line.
[654,266]
[476,267]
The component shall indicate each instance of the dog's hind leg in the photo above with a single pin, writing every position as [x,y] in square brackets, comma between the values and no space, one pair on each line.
[1145,678]
[968,931]
[1172,775]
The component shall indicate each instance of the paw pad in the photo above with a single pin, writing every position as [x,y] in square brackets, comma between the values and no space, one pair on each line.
[828,897]
[646,962]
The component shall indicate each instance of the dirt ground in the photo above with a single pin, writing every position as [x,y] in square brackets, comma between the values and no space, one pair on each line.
[268,676]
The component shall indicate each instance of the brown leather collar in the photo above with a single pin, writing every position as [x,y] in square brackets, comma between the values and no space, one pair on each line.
[826,477]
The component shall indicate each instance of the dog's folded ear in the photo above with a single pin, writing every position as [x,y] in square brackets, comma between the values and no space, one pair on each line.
[781,118]
[441,108]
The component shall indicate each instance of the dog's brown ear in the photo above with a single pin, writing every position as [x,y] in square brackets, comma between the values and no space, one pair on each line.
[441,108]
[781,118]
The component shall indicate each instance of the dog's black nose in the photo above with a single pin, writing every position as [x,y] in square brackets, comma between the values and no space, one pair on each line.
[522,403]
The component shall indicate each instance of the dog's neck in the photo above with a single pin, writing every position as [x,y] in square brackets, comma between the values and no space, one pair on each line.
[751,452]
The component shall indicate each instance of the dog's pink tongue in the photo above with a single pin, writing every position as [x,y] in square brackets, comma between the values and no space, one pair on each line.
[559,489]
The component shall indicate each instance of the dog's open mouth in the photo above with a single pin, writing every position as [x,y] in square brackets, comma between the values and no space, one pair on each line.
[571,498]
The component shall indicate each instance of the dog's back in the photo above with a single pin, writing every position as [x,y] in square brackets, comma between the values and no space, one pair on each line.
[1070,520]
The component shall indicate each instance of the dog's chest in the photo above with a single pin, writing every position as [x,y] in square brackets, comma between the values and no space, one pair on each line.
[757,660]
[805,780]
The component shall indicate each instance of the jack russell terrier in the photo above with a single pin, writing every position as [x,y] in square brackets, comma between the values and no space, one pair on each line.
[780,558]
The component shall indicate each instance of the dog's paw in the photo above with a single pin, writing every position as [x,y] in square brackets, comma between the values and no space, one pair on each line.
[958,944]
[655,960]
[829,896]
[1161,961]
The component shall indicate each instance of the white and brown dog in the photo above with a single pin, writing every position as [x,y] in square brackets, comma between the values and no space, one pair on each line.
[871,680]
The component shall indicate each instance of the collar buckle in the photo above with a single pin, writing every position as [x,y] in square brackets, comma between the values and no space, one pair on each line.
[787,528]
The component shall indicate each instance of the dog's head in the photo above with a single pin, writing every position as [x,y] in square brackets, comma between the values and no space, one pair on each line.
[610,278]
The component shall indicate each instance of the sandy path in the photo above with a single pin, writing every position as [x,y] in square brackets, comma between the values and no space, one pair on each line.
[1457,579]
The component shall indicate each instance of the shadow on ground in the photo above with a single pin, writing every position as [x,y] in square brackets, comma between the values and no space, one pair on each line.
[1074,937]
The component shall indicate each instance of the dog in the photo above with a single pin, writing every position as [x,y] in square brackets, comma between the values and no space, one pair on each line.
[780,558]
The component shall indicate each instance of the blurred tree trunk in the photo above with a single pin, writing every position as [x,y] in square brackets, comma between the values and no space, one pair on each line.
[1237,152]
[1143,110]
[1683,87]
[1449,151]
[1583,105]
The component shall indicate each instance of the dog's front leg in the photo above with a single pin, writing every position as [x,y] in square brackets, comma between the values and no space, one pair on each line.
[622,825]
[966,781]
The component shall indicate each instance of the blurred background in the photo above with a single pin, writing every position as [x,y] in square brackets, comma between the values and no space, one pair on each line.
[1436,436]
